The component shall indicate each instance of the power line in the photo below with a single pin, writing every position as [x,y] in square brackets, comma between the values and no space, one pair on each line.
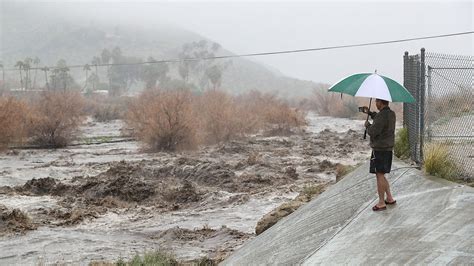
[263,53]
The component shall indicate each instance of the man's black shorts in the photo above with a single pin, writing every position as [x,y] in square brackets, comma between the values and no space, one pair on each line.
[380,162]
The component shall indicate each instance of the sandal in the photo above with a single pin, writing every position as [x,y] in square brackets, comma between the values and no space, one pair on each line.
[377,208]
[390,203]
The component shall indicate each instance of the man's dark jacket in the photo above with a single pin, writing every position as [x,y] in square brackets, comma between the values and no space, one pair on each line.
[382,131]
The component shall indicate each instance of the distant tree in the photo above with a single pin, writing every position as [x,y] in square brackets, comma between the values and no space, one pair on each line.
[153,73]
[123,73]
[186,63]
[61,79]
[27,66]
[20,64]
[45,70]
[116,54]
[94,80]
[106,55]
[86,68]
[201,71]
[36,62]
[96,61]
[214,73]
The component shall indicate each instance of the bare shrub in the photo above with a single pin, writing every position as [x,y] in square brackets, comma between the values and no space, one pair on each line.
[104,108]
[173,120]
[283,118]
[331,104]
[164,119]
[451,105]
[13,121]
[56,117]
[274,114]
[222,118]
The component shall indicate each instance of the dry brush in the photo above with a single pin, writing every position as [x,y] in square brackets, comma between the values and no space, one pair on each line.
[170,120]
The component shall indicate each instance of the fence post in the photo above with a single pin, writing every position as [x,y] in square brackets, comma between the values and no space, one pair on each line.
[428,106]
[422,102]
[405,84]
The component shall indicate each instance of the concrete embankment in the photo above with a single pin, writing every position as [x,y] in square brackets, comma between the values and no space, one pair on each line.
[432,223]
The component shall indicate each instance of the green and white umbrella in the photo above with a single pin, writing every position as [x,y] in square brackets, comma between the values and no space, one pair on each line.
[372,85]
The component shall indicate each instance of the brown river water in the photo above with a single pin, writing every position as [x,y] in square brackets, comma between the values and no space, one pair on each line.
[105,199]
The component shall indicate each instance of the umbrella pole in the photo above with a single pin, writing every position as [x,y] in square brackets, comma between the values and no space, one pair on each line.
[366,120]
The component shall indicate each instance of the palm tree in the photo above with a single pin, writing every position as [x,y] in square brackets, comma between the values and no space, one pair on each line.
[86,68]
[64,76]
[27,66]
[46,69]
[36,61]
[106,56]
[95,62]
[20,64]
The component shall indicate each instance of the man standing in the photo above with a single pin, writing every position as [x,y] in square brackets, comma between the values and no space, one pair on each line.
[382,138]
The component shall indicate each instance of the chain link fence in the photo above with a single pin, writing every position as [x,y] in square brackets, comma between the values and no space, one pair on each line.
[411,117]
[444,111]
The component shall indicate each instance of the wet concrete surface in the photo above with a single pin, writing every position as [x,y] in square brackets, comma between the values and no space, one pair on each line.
[432,223]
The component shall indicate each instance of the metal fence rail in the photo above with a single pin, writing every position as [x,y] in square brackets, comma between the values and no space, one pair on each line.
[444,111]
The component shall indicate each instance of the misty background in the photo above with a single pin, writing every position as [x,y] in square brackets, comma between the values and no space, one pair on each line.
[159,29]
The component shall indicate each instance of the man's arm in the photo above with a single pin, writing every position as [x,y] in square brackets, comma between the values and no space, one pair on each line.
[366,111]
[377,127]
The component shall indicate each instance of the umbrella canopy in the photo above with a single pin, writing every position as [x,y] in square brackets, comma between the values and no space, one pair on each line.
[373,85]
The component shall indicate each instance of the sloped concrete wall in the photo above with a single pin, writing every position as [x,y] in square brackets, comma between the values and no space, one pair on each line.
[431,223]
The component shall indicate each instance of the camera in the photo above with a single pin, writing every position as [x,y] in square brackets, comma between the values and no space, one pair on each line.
[361,109]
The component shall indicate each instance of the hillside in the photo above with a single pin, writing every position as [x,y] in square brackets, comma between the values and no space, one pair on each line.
[50,38]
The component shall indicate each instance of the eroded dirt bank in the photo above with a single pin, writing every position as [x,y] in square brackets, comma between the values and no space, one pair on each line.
[106,201]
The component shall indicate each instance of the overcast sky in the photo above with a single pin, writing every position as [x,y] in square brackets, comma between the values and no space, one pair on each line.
[249,27]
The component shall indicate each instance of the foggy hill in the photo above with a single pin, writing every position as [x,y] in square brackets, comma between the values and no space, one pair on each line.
[50,38]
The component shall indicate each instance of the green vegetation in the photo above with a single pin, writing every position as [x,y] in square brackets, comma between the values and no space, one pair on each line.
[149,258]
[402,146]
[438,162]
[95,140]
[310,191]
[157,258]
[342,170]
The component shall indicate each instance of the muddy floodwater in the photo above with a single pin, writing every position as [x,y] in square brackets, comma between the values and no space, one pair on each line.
[104,198]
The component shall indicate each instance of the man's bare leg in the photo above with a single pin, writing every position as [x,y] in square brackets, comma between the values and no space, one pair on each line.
[381,189]
[387,190]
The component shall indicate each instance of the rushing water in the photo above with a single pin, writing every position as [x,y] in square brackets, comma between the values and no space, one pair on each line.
[122,233]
